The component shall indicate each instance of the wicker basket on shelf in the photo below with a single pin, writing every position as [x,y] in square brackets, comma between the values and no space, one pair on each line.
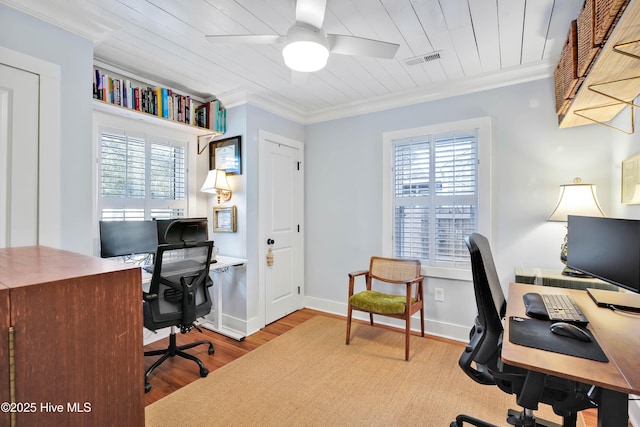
[587,48]
[606,13]
[565,74]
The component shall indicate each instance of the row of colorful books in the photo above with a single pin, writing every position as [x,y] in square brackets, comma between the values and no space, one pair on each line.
[210,115]
[159,101]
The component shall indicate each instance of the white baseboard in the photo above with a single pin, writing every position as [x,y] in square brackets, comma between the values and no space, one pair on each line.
[431,327]
[149,336]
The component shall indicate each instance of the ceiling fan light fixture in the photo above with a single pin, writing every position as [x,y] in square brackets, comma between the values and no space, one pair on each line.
[307,49]
[305,56]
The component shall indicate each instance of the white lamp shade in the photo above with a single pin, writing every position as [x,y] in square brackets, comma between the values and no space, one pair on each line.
[576,199]
[216,180]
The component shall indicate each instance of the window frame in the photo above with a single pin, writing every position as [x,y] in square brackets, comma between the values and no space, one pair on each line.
[484,133]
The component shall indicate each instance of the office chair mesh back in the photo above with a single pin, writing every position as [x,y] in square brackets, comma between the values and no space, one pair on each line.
[179,267]
[481,359]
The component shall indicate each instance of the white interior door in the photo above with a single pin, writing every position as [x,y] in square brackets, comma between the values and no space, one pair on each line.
[281,215]
[19,119]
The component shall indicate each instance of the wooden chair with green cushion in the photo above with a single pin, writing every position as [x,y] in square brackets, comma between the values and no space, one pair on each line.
[401,305]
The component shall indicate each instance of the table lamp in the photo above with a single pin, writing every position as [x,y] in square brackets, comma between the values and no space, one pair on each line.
[575,199]
[217,183]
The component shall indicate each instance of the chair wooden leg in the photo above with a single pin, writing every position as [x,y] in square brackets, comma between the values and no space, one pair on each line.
[407,338]
[422,321]
[371,318]
[348,323]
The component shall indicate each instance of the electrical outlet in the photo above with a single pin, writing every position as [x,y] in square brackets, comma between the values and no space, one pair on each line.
[439,294]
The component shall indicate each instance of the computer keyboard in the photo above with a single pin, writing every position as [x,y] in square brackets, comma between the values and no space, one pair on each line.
[558,307]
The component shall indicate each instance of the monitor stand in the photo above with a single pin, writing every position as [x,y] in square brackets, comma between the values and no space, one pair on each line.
[618,300]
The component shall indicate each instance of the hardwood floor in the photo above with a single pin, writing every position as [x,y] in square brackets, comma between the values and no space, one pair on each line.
[178,372]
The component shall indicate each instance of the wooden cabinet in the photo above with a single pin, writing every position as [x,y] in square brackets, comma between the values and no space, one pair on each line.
[613,78]
[77,333]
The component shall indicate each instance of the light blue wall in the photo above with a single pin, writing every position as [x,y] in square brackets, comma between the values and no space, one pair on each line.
[531,157]
[74,55]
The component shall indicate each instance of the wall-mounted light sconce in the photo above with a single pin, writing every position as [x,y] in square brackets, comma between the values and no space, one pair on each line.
[216,183]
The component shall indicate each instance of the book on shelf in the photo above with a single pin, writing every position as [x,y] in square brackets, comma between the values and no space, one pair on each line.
[212,116]
[159,101]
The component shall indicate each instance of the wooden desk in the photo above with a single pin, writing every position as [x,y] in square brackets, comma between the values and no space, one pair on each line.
[617,334]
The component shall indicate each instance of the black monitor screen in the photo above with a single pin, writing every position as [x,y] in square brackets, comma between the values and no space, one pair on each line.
[162,225]
[122,238]
[606,248]
[187,230]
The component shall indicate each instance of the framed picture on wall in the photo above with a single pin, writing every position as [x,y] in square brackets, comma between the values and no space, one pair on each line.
[631,180]
[225,154]
[224,219]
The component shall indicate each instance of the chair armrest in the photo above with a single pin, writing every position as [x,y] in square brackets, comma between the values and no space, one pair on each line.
[149,297]
[358,273]
[416,280]
[352,277]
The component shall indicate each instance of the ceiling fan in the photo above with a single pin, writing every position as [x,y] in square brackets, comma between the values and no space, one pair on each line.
[307,45]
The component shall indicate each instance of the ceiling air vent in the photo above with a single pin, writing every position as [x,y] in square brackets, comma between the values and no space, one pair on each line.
[433,56]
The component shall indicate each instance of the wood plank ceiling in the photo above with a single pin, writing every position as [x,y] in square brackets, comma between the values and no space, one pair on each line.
[481,43]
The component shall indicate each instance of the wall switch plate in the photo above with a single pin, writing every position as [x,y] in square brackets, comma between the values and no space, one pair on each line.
[439,294]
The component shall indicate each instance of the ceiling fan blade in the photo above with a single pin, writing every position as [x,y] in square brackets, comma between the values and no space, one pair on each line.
[247,39]
[358,46]
[311,12]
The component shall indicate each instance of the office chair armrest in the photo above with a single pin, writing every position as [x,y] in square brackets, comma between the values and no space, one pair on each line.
[149,297]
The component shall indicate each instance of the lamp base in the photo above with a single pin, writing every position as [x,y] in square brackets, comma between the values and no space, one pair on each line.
[568,271]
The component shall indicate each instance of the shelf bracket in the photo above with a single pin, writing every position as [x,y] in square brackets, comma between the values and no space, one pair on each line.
[582,114]
[208,138]
[619,49]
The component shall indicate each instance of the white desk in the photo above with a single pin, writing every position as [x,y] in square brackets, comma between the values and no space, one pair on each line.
[213,323]
[223,263]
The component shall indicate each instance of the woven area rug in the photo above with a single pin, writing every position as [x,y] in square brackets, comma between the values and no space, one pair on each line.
[309,377]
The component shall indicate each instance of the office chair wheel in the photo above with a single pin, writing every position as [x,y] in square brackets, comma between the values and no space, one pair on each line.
[147,387]
[204,372]
[211,350]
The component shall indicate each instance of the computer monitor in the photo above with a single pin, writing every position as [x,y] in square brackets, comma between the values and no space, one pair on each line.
[187,230]
[609,249]
[123,238]
[162,225]
[606,248]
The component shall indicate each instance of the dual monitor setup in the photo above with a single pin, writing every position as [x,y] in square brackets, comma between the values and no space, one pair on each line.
[126,238]
[608,249]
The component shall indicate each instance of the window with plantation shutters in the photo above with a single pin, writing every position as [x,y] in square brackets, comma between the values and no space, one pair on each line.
[434,198]
[140,177]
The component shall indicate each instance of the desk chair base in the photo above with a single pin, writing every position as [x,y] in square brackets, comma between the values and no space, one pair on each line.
[520,419]
[175,350]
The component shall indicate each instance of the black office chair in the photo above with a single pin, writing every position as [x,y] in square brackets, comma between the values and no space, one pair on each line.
[565,397]
[177,296]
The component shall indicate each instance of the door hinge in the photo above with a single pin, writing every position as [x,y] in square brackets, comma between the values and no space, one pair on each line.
[298,290]
[299,165]
[298,228]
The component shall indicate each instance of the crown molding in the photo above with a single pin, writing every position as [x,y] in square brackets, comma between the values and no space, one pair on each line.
[492,80]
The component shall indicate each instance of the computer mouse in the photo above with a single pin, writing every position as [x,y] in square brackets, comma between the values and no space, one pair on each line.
[569,330]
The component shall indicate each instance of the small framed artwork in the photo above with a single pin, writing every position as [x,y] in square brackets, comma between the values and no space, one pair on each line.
[224,219]
[631,180]
[225,154]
